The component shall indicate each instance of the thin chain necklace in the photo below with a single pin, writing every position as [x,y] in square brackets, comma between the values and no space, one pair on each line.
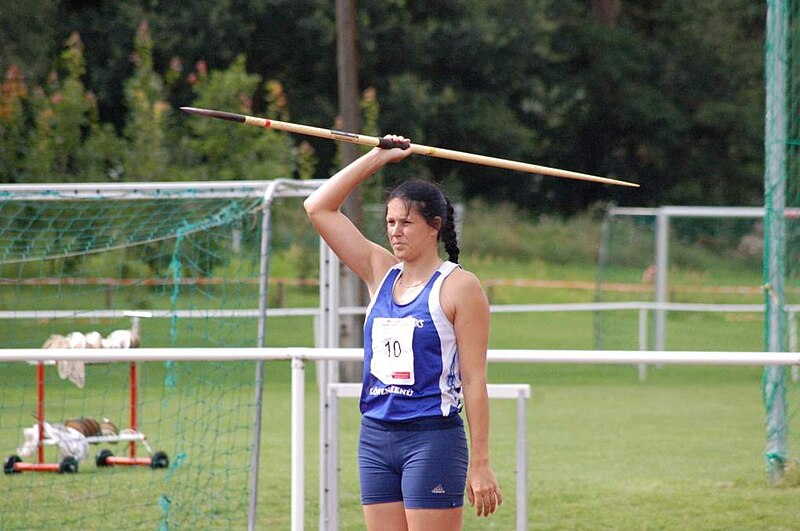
[414,285]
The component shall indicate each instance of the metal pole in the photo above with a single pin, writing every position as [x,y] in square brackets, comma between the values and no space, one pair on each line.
[642,342]
[792,318]
[662,267]
[263,288]
[522,463]
[298,445]
[774,391]
[333,341]
[327,310]
[602,253]
[333,422]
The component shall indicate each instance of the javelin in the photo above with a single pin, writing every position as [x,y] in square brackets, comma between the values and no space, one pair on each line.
[418,149]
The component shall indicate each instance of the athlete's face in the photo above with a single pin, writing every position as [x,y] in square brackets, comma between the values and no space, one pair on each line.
[409,234]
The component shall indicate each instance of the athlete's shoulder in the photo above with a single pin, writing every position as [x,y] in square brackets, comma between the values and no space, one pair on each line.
[462,286]
[463,278]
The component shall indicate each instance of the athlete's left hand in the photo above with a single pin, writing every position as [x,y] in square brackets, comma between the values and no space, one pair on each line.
[483,491]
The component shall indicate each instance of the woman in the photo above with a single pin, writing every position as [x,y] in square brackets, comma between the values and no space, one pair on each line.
[425,340]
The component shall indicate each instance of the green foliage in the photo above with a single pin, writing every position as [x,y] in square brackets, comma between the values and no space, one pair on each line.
[122,263]
[13,129]
[250,153]
[103,154]
[30,32]
[371,191]
[146,156]
[506,231]
[63,114]
[68,142]
[667,94]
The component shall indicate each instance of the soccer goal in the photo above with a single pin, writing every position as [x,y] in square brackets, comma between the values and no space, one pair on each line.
[170,265]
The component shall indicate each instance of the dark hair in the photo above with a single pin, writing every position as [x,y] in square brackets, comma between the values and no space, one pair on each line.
[431,203]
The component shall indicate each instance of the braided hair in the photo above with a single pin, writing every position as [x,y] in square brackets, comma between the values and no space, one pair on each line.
[430,201]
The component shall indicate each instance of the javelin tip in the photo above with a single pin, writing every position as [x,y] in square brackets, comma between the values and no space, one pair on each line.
[232,117]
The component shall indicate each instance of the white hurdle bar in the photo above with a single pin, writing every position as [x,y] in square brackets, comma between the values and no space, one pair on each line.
[520,392]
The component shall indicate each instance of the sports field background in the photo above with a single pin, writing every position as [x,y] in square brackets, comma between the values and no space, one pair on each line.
[682,450]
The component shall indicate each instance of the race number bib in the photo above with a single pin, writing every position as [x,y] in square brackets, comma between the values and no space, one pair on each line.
[392,352]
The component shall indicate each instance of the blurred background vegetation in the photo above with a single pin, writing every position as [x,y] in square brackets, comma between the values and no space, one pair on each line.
[667,94]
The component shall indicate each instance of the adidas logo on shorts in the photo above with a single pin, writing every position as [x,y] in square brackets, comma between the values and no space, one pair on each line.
[438,489]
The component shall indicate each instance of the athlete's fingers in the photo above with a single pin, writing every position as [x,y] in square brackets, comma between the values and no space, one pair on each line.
[489,502]
[492,502]
[470,495]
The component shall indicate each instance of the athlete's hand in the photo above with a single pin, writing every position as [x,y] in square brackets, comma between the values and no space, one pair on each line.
[395,154]
[483,491]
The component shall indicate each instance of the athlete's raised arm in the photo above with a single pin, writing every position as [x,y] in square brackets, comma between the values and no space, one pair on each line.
[365,258]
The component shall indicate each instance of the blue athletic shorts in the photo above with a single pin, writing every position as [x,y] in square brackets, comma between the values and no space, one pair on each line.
[422,463]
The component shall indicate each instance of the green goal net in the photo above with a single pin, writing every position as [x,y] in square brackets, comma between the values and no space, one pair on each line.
[782,227]
[172,265]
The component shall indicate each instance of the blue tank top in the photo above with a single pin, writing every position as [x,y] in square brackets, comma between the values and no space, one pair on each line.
[411,365]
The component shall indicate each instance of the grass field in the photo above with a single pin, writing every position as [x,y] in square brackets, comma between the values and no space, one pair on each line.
[683,450]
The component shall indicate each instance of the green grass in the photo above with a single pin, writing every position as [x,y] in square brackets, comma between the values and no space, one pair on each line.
[683,450]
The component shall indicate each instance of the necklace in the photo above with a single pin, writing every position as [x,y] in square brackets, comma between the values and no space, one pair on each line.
[414,285]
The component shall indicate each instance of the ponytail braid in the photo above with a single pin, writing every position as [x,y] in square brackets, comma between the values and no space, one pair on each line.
[449,234]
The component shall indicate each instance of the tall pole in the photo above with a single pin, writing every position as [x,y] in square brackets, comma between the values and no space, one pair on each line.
[349,111]
[775,136]
[263,287]
[341,285]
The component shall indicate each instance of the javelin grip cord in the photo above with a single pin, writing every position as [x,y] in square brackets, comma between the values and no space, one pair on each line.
[387,143]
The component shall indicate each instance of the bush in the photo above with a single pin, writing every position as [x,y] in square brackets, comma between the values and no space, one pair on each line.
[505,231]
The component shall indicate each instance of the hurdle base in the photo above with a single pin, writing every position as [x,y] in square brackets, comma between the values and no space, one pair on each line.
[129,461]
[15,465]
[106,458]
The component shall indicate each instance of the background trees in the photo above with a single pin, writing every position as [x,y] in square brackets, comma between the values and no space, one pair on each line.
[667,94]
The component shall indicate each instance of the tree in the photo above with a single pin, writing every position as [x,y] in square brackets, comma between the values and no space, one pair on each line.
[667,103]
[13,127]
[227,151]
[63,114]
[146,157]
[667,94]
[28,31]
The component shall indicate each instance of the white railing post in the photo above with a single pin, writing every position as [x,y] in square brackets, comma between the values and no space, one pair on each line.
[298,444]
[662,272]
[642,342]
[792,318]
[523,393]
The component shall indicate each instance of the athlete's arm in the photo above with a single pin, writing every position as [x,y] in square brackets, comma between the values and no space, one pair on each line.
[366,259]
[465,302]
